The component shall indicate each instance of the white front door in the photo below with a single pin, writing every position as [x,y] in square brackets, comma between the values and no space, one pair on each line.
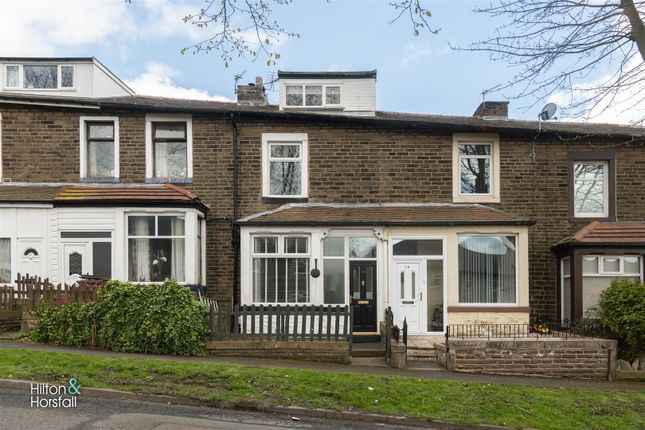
[31,262]
[76,261]
[409,284]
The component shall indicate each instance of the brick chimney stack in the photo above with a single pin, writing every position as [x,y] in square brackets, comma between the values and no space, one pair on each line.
[492,110]
[252,94]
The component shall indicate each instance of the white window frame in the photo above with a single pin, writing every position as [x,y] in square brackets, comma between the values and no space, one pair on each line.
[287,139]
[324,94]
[562,278]
[185,237]
[621,272]
[11,257]
[83,143]
[280,253]
[605,212]
[474,139]
[517,270]
[21,78]
[188,119]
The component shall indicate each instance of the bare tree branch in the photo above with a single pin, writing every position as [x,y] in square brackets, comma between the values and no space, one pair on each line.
[557,45]
[240,28]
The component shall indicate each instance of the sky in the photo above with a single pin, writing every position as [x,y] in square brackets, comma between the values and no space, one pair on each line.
[141,41]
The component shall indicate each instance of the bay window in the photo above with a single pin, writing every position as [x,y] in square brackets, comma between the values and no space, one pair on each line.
[5,261]
[487,269]
[156,248]
[280,269]
[599,271]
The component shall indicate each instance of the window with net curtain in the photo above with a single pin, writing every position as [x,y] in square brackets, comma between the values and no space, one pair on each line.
[5,261]
[156,248]
[170,149]
[487,269]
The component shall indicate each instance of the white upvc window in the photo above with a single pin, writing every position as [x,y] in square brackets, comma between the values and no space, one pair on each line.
[5,261]
[99,147]
[284,165]
[312,95]
[476,168]
[599,271]
[280,264]
[488,272]
[156,247]
[591,189]
[169,147]
[40,76]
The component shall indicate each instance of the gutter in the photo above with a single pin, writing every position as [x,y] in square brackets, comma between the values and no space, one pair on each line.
[383,224]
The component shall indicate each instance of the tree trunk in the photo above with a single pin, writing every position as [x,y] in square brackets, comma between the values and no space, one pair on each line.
[638,27]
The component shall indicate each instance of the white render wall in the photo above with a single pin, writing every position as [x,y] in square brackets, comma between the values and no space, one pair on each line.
[91,80]
[357,96]
[39,226]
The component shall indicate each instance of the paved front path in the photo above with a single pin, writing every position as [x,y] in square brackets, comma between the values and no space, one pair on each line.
[101,413]
[366,370]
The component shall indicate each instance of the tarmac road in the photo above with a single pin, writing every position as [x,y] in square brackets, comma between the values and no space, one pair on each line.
[100,413]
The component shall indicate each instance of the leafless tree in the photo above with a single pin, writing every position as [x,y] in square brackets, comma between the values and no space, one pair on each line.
[564,45]
[237,28]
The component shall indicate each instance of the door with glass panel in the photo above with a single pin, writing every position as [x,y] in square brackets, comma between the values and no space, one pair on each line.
[76,261]
[409,295]
[362,283]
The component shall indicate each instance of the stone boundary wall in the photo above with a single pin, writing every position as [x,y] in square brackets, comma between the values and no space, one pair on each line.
[9,321]
[585,358]
[334,352]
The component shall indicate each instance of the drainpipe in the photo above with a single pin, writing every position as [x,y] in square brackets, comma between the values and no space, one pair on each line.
[235,237]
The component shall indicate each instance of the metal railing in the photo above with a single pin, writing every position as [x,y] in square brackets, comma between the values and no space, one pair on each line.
[562,329]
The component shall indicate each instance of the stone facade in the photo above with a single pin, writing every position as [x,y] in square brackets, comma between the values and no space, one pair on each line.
[348,163]
[334,352]
[553,357]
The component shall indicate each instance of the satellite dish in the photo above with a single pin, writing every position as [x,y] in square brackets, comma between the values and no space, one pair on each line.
[548,111]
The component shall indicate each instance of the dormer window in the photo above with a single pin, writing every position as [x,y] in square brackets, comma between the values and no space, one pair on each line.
[313,95]
[39,76]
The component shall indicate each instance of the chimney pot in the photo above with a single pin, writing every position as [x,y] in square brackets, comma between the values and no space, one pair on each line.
[492,110]
[258,81]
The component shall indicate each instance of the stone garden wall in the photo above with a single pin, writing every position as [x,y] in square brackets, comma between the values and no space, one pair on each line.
[552,357]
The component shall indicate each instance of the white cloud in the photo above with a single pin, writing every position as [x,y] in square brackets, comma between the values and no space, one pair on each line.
[417,51]
[42,28]
[157,80]
[626,107]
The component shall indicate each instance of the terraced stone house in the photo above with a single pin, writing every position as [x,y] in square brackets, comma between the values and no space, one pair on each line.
[321,199]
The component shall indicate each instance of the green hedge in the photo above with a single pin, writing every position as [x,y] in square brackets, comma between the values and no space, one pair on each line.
[622,312]
[157,318]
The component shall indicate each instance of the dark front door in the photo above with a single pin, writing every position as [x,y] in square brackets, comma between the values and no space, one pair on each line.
[362,285]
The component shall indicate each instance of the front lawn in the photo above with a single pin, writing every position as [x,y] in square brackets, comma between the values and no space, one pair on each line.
[457,402]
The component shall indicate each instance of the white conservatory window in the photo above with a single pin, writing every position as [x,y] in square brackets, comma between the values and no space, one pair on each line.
[156,248]
[280,269]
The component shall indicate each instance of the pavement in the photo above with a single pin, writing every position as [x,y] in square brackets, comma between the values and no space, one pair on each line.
[434,374]
[101,413]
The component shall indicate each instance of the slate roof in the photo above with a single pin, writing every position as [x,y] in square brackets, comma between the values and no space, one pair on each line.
[113,194]
[384,214]
[322,75]
[606,233]
[402,119]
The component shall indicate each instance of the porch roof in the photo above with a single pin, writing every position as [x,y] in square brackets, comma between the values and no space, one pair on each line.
[99,194]
[599,233]
[383,214]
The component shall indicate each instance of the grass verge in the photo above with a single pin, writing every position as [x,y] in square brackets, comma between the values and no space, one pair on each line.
[456,402]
